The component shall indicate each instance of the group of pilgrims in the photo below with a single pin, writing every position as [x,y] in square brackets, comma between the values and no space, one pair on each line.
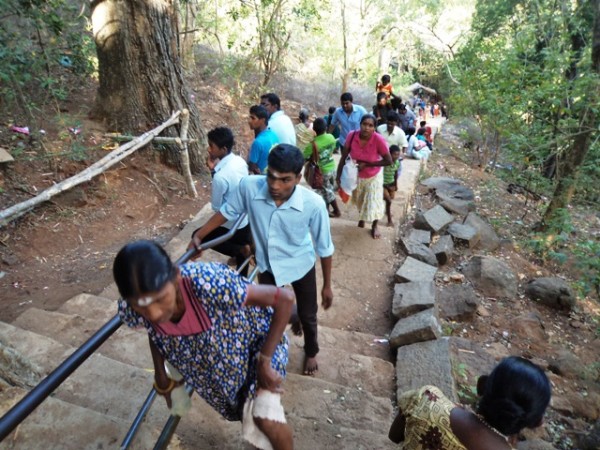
[223,335]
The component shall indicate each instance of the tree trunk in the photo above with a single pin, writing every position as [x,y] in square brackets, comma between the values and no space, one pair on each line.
[575,157]
[141,79]
[188,34]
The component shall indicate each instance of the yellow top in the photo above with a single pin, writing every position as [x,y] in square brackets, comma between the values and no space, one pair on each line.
[427,413]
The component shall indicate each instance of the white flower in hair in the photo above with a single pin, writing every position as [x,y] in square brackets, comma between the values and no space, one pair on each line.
[144,301]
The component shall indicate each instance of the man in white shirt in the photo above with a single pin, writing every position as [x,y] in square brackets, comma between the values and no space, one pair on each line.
[228,170]
[392,133]
[279,123]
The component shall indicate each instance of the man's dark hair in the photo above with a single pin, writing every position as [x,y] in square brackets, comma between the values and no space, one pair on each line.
[422,123]
[260,112]
[221,137]
[286,158]
[381,95]
[346,97]
[319,126]
[392,116]
[272,98]
[331,109]
[394,148]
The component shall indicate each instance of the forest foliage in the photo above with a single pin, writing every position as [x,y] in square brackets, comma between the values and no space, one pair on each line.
[519,72]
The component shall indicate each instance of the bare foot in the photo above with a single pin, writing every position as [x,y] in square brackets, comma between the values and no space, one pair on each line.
[310,366]
[335,215]
[361,224]
[375,233]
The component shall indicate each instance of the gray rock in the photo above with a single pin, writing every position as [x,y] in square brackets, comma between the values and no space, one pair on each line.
[435,219]
[425,363]
[491,276]
[420,236]
[449,186]
[551,291]
[455,205]
[535,444]
[566,364]
[590,441]
[457,302]
[412,297]
[463,234]
[415,270]
[443,249]
[423,326]
[488,239]
[530,326]
[418,251]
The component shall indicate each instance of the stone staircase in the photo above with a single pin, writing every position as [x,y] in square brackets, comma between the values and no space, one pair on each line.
[348,405]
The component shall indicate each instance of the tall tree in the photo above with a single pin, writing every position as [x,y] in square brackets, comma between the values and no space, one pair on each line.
[141,79]
[588,119]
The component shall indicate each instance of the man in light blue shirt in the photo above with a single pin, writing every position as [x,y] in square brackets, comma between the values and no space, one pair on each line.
[228,169]
[279,122]
[285,219]
[264,140]
[347,117]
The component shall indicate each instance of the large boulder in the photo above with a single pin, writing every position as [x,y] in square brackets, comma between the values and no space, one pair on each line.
[566,364]
[551,291]
[492,277]
[488,239]
[464,235]
[457,302]
[530,326]
[451,187]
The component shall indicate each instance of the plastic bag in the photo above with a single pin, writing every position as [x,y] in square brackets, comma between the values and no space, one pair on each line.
[180,399]
[349,177]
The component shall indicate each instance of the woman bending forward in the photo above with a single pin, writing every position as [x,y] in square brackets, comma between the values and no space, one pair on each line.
[224,335]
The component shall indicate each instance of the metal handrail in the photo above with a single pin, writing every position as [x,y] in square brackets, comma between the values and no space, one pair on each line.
[48,385]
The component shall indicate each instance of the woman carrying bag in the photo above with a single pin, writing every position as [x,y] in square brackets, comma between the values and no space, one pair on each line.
[370,152]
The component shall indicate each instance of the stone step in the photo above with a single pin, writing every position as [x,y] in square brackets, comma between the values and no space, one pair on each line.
[351,341]
[349,369]
[312,435]
[324,402]
[111,387]
[355,302]
[425,363]
[127,345]
[131,346]
[60,425]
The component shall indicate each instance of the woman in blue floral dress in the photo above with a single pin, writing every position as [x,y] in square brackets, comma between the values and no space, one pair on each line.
[223,334]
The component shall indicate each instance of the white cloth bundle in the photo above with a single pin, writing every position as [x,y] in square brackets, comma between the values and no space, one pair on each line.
[266,405]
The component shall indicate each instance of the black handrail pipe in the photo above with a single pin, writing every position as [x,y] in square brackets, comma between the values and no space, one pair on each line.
[38,394]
